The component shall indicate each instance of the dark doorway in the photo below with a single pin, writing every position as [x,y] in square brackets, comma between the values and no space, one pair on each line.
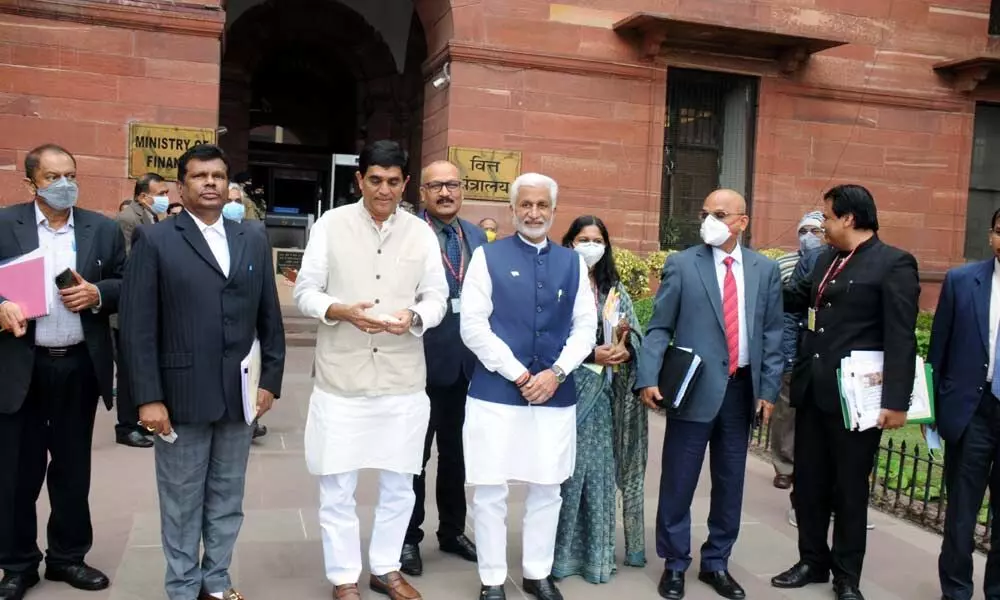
[984,182]
[708,144]
[304,80]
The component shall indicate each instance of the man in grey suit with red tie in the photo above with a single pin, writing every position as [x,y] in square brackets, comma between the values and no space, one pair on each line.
[723,301]
[198,289]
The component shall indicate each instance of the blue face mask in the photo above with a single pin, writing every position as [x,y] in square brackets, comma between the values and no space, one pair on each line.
[234,211]
[61,194]
[808,241]
[160,204]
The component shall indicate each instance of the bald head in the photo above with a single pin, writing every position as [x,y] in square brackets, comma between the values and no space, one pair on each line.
[441,190]
[730,201]
[730,208]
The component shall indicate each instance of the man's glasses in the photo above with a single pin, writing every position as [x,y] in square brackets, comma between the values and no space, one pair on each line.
[718,214]
[435,186]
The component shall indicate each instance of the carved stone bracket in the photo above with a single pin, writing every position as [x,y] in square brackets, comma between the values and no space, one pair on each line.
[967,74]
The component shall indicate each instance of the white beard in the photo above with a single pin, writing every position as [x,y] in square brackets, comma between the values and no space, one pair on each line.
[531,232]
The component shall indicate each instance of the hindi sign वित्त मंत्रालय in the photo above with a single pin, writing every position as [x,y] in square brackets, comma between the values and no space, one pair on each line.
[486,174]
[156,148]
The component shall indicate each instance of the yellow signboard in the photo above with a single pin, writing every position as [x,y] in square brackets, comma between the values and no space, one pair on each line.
[156,148]
[486,174]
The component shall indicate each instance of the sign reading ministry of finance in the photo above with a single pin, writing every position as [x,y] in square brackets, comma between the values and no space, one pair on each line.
[486,174]
[156,148]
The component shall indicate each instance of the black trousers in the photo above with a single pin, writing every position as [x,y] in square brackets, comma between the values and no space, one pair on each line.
[447,419]
[832,470]
[971,464]
[128,413]
[57,419]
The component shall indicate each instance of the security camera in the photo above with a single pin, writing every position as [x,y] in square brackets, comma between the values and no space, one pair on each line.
[442,80]
[221,131]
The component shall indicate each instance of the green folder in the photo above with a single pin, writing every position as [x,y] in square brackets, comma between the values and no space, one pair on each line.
[929,379]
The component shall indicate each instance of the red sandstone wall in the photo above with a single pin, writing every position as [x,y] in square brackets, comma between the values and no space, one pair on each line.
[79,85]
[546,78]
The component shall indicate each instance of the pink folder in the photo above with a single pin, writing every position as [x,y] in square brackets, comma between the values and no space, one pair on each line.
[23,282]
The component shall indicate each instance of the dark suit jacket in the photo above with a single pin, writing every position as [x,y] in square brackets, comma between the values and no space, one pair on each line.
[688,312]
[185,326]
[960,346]
[870,305]
[795,322]
[100,259]
[446,355]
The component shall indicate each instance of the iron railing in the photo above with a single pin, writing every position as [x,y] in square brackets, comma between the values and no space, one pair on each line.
[907,482]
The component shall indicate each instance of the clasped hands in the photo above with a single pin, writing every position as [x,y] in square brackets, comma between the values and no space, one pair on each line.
[355,315]
[81,296]
[538,388]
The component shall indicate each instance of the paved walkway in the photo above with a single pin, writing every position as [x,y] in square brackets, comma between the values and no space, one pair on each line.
[279,555]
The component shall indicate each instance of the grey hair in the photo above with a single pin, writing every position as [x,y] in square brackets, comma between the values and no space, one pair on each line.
[534,180]
[243,193]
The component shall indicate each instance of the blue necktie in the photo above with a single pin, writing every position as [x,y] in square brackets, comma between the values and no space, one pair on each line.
[995,385]
[453,250]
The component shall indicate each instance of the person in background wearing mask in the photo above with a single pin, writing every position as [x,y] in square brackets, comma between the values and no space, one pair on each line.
[611,436]
[529,316]
[489,227]
[449,367]
[175,209]
[724,302]
[783,419]
[54,369]
[148,204]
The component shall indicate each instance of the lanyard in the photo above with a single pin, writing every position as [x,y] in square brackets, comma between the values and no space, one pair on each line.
[831,273]
[460,274]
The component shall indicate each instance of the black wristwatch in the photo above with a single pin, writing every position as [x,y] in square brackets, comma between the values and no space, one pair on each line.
[560,374]
[415,321]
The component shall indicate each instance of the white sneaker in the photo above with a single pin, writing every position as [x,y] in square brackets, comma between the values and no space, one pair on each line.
[869,526]
[791,518]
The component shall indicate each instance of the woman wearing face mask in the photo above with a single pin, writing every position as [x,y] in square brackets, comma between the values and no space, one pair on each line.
[611,432]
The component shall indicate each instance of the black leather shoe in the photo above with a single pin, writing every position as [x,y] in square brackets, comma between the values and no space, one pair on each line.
[412,564]
[671,585]
[133,439]
[845,590]
[543,589]
[799,576]
[259,430]
[723,584]
[13,586]
[461,547]
[80,576]
[492,592]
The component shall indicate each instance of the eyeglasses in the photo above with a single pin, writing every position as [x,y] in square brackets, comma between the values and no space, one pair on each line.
[718,214]
[435,186]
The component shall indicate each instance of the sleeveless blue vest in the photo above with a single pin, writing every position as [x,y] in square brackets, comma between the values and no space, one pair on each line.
[533,297]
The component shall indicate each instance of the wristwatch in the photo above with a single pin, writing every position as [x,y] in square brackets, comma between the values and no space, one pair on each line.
[560,374]
[415,321]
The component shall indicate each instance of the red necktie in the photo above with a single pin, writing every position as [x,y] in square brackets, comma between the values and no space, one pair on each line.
[731,315]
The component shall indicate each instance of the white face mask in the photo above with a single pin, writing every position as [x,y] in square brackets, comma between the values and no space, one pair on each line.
[592,252]
[714,232]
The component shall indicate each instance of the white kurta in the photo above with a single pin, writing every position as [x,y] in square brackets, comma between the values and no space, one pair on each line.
[534,444]
[366,432]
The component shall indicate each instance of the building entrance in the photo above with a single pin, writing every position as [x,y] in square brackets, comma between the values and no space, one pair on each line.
[307,83]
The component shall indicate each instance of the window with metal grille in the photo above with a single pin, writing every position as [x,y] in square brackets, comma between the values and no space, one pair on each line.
[995,17]
[708,144]
[984,181]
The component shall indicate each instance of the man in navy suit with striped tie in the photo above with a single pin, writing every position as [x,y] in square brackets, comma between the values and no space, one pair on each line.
[449,367]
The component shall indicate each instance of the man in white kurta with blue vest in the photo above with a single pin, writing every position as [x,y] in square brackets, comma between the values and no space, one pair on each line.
[372,276]
[530,317]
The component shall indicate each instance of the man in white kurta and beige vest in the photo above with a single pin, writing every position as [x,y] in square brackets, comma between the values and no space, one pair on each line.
[530,317]
[372,276]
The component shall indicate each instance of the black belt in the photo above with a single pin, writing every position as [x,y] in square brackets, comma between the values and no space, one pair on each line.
[740,373]
[60,352]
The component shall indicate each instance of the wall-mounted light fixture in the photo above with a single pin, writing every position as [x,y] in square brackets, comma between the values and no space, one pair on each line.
[441,81]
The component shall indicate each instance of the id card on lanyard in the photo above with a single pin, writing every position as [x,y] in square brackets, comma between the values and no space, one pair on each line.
[831,274]
[459,275]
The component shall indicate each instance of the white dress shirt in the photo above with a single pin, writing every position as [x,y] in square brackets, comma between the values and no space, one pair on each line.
[720,272]
[313,299]
[62,327]
[494,353]
[994,317]
[215,236]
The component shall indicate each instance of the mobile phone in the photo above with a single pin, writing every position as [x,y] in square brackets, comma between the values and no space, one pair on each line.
[65,279]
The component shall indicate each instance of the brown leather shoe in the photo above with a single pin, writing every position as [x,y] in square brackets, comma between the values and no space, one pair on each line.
[394,586]
[782,482]
[347,591]
[229,594]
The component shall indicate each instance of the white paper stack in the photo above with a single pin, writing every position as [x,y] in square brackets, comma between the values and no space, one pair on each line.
[860,380]
[250,376]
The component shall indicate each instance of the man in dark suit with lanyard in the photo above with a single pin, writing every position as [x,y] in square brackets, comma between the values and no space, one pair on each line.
[54,369]
[449,366]
[862,295]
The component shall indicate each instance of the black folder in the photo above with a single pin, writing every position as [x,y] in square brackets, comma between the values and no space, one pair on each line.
[678,375]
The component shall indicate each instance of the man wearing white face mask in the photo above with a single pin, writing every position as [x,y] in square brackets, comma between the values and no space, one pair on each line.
[529,316]
[723,302]
[148,205]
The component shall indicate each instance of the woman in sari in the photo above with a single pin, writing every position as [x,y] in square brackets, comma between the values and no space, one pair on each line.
[611,430]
